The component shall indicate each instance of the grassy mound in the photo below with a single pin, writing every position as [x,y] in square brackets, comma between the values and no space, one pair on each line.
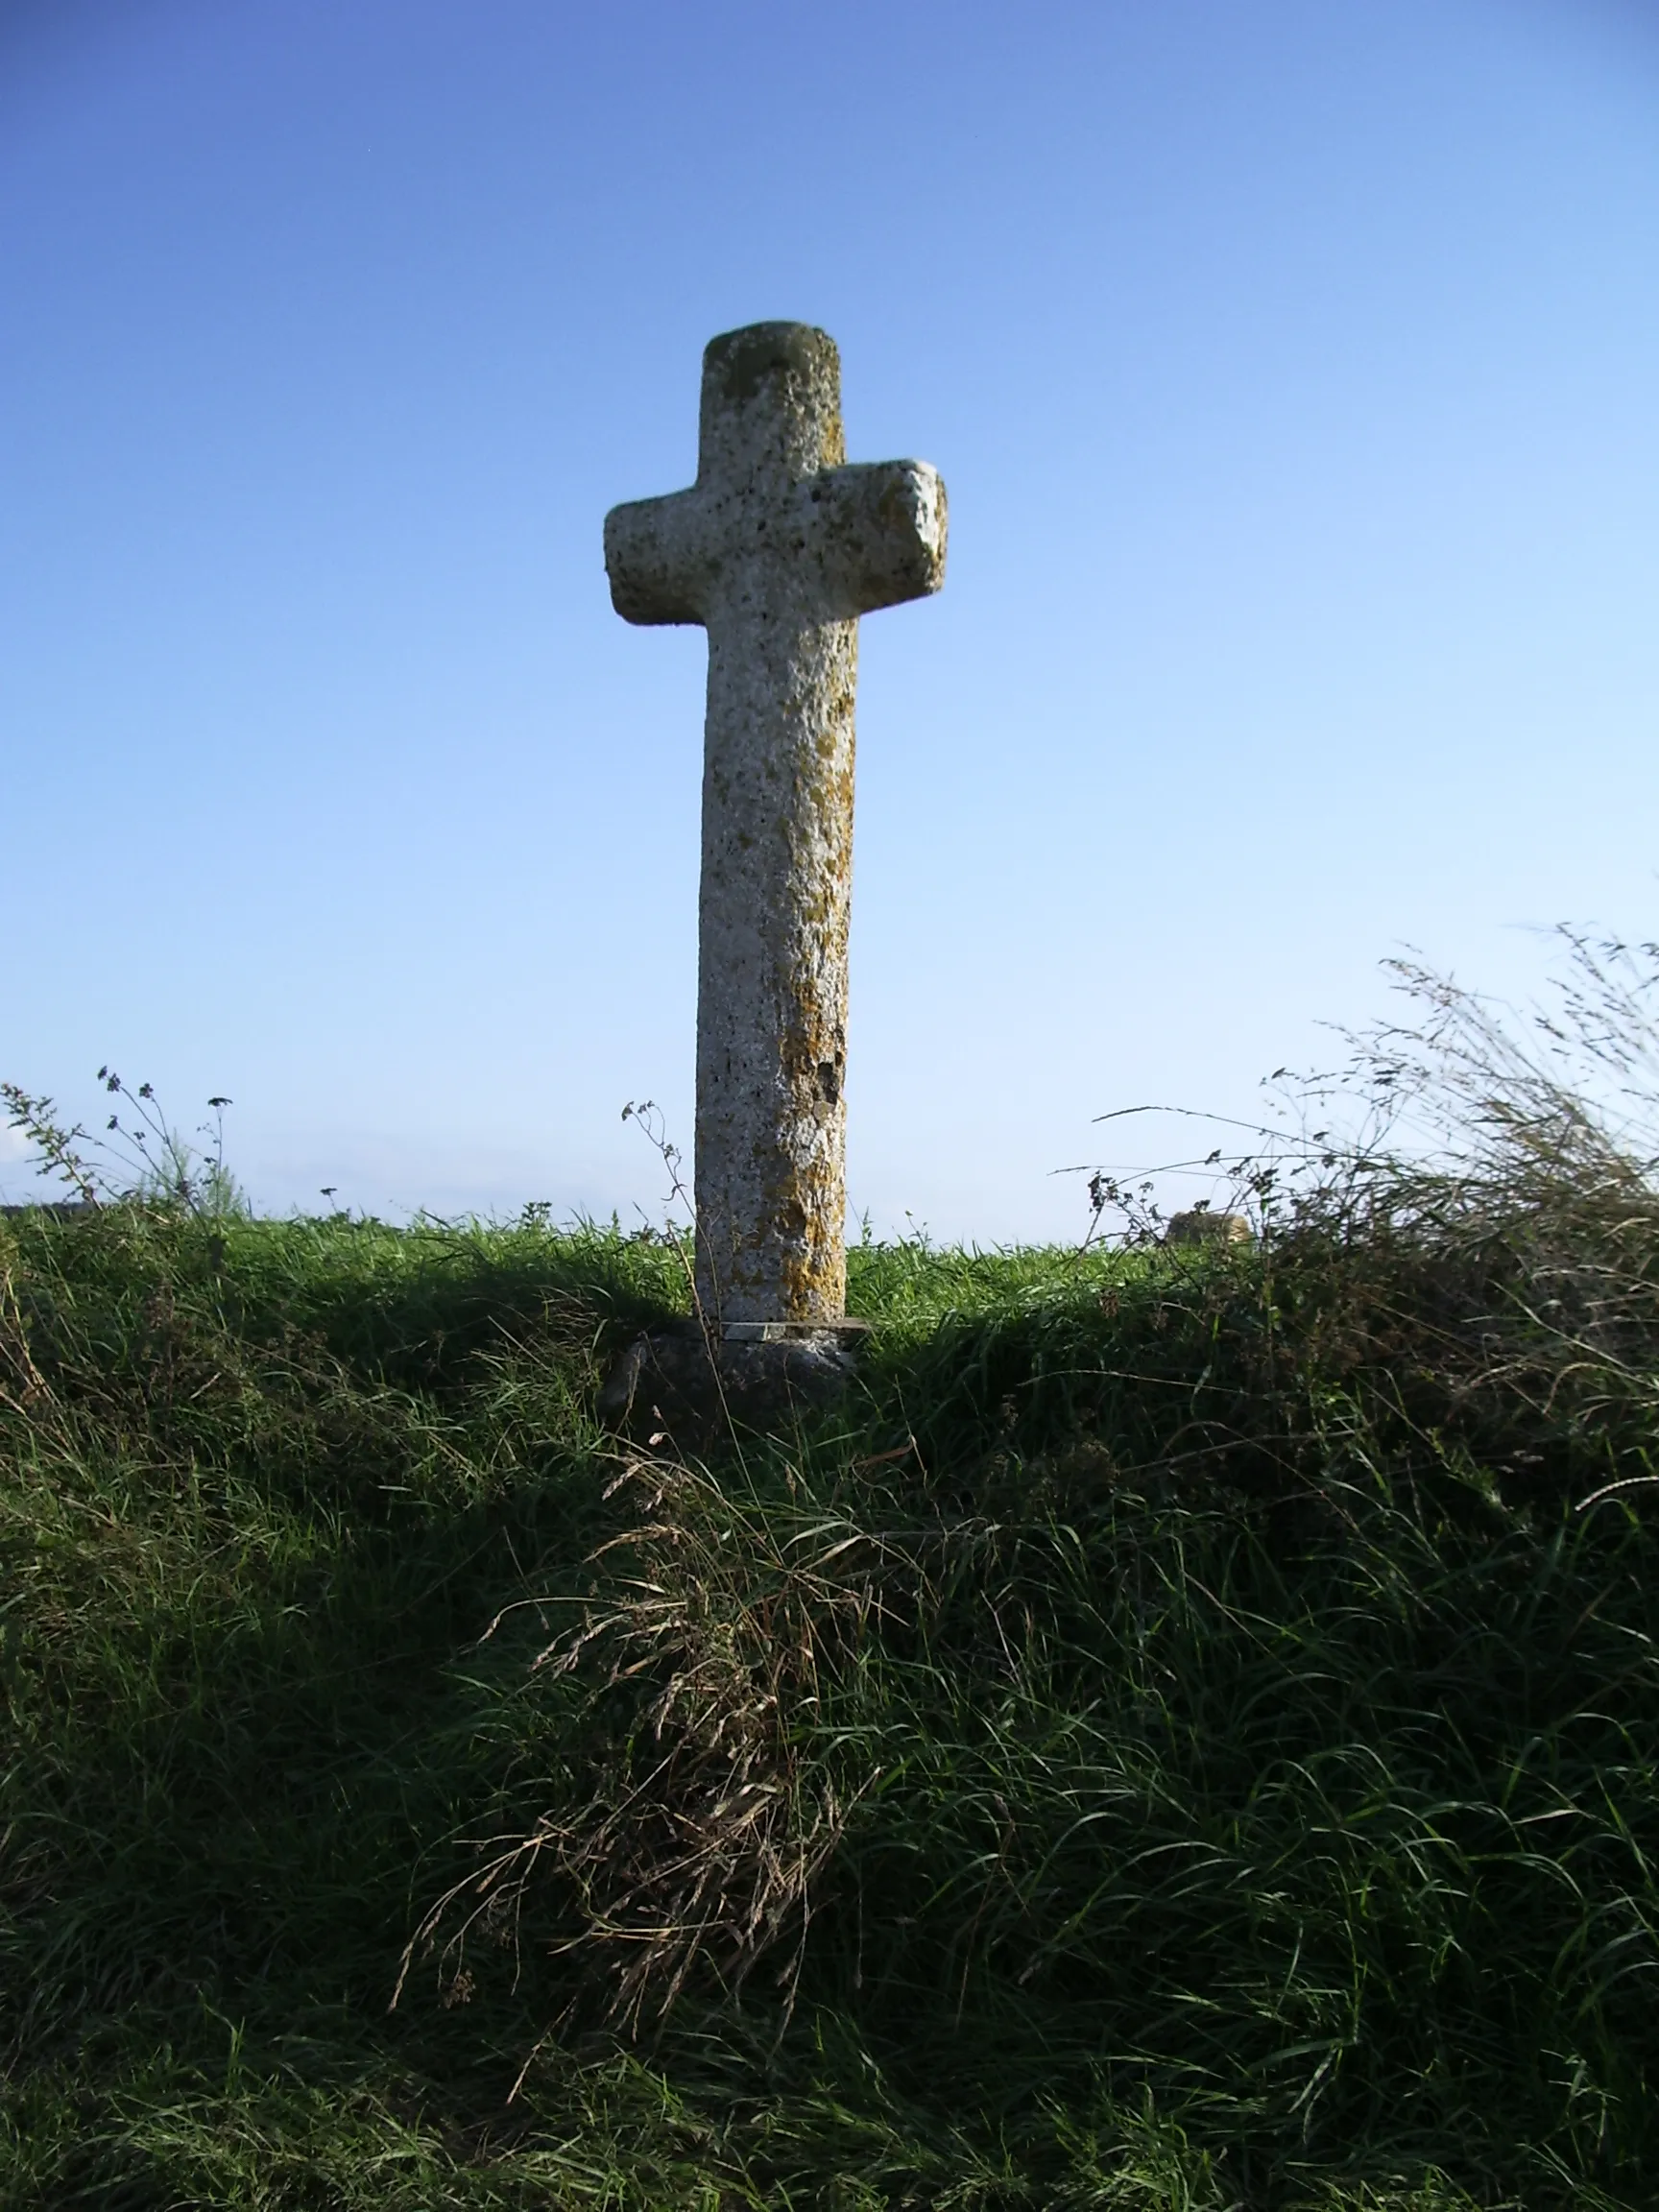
[1185,1735]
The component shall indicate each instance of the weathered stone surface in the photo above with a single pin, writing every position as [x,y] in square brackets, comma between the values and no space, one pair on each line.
[1200,1226]
[777,550]
[692,1387]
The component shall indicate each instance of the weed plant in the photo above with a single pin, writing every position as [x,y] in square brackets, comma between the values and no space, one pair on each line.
[1184,1734]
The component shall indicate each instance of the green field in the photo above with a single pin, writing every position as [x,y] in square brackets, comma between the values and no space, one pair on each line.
[1185,1734]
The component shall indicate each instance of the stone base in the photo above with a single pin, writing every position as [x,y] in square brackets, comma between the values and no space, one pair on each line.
[757,1375]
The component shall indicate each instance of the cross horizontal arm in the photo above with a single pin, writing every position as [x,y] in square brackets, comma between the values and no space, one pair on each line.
[878,534]
[657,558]
[849,539]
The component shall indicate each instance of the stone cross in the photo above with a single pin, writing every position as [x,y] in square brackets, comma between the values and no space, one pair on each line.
[777,550]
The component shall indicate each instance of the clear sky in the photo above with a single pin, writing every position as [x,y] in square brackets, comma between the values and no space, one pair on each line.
[1293,366]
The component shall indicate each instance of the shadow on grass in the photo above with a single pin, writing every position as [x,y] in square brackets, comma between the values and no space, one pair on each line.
[1159,1743]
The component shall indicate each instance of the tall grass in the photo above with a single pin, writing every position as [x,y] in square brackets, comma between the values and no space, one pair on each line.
[1184,1734]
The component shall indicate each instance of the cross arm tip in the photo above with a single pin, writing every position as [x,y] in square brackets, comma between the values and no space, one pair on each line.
[652,559]
[886,527]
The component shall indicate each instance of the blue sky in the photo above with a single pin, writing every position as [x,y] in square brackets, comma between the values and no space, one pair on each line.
[1294,369]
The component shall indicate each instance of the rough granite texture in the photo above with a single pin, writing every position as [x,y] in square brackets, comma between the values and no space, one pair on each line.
[777,550]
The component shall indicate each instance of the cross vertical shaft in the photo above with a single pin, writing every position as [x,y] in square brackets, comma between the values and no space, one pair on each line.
[777,549]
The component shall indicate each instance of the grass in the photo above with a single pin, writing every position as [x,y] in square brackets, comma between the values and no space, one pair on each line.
[1185,1735]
